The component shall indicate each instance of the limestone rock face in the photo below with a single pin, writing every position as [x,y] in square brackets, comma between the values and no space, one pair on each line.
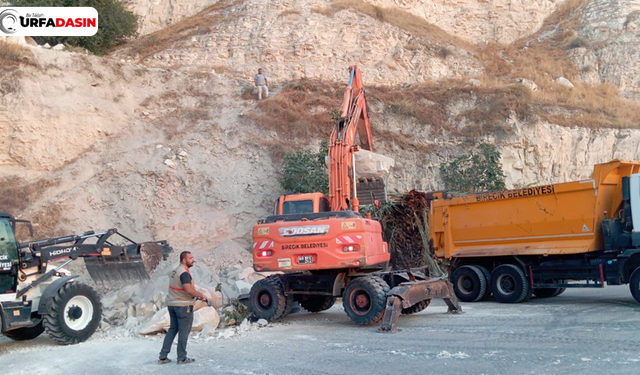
[613,30]
[503,21]
[158,14]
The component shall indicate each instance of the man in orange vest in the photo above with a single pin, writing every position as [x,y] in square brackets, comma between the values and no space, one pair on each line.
[180,301]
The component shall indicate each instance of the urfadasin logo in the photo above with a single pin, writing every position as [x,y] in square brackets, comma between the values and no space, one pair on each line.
[48,21]
[9,20]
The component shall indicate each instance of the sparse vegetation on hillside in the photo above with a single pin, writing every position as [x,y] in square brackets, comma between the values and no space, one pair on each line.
[199,24]
[13,54]
[116,24]
[418,27]
[475,171]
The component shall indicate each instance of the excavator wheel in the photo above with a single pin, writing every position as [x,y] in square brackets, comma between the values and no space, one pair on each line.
[365,299]
[75,315]
[26,333]
[416,308]
[316,304]
[469,283]
[634,284]
[509,284]
[267,300]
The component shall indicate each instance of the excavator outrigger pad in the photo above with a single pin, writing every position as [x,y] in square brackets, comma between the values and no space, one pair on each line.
[410,293]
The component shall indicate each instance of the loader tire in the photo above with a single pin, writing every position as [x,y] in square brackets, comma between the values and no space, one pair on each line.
[416,308]
[267,300]
[469,283]
[634,284]
[26,333]
[509,284]
[75,314]
[547,292]
[365,299]
[316,304]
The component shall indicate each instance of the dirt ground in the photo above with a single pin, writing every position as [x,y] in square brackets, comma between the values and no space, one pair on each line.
[579,332]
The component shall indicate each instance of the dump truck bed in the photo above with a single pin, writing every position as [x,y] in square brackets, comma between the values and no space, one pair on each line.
[542,220]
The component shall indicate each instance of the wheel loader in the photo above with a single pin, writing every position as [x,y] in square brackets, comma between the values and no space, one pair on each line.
[327,249]
[37,296]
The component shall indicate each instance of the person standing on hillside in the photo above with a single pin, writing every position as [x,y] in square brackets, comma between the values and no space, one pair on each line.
[180,302]
[261,83]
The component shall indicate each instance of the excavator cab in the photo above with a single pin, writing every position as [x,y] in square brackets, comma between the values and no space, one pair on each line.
[301,204]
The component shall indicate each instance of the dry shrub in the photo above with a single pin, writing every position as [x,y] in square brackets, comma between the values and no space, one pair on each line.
[417,26]
[289,112]
[290,12]
[14,54]
[17,194]
[219,68]
[322,10]
[199,24]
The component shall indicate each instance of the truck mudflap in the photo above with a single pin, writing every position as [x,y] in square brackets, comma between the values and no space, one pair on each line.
[408,294]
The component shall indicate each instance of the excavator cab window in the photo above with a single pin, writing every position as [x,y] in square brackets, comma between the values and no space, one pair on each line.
[8,256]
[297,207]
[324,205]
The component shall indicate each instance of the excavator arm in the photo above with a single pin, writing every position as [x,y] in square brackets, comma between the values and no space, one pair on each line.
[350,133]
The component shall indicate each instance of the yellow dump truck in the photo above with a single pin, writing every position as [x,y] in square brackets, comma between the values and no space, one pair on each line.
[541,240]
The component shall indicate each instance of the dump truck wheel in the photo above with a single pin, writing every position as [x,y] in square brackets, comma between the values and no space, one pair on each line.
[416,308]
[509,284]
[546,292]
[487,277]
[75,314]
[559,291]
[26,333]
[365,299]
[267,300]
[316,304]
[469,283]
[634,284]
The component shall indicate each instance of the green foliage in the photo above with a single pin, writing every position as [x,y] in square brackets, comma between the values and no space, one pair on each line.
[237,315]
[475,171]
[115,24]
[305,171]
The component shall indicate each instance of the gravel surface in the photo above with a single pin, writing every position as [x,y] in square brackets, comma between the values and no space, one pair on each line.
[579,332]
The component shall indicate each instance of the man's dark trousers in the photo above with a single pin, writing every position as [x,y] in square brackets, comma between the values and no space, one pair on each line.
[181,321]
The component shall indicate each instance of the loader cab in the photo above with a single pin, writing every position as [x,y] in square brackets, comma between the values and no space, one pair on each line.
[9,259]
[301,204]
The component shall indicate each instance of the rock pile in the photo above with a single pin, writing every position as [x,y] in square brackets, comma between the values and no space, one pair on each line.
[141,308]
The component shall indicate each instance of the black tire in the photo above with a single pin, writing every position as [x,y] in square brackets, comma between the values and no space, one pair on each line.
[267,300]
[75,315]
[26,333]
[365,299]
[469,283]
[509,284]
[416,308]
[487,277]
[634,284]
[559,291]
[547,292]
[316,304]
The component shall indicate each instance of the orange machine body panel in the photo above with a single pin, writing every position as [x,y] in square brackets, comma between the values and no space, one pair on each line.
[543,220]
[331,243]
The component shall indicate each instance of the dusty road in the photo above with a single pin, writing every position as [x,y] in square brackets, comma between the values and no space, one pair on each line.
[579,332]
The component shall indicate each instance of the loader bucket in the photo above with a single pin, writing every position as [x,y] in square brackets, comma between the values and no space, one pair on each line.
[136,264]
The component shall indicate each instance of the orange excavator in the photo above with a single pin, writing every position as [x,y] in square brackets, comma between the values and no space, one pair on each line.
[327,250]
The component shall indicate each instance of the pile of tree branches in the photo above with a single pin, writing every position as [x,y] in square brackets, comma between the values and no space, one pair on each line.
[405,226]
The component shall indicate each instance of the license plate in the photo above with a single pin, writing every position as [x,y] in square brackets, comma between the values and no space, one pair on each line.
[305,259]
